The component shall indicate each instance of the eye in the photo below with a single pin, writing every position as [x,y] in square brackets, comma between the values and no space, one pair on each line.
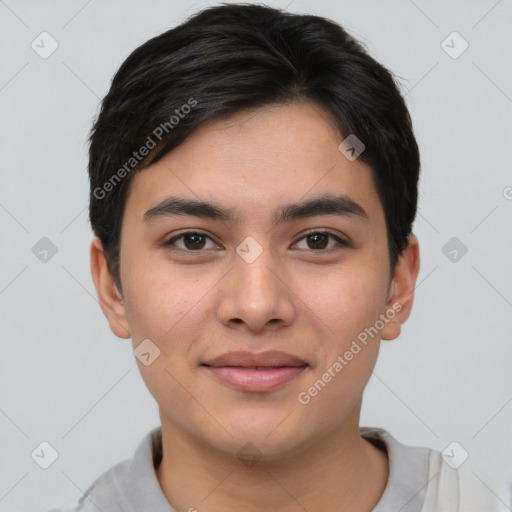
[193,241]
[319,240]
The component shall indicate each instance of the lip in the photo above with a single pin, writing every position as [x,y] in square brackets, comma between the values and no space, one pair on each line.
[251,379]
[255,372]
[245,359]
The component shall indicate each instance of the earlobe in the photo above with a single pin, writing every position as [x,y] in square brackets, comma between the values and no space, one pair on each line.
[401,295]
[111,301]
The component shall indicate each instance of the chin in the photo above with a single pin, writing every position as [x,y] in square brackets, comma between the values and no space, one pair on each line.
[267,434]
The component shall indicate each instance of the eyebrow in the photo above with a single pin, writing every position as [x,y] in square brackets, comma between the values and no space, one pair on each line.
[323,205]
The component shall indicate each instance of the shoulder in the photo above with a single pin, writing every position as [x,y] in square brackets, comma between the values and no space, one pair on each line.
[124,485]
[425,480]
[464,486]
[481,491]
[103,493]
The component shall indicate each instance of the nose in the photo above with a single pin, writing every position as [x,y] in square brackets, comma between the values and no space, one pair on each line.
[256,295]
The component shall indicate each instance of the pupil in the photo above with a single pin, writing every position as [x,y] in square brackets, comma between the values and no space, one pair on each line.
[194,243]
[315,237]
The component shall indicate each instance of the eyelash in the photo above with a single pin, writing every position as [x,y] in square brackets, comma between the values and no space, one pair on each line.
[171,241]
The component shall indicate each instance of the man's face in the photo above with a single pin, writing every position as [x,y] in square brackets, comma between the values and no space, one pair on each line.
[248,284]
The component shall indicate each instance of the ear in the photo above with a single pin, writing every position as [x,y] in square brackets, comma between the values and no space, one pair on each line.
[401,289]
[109,297]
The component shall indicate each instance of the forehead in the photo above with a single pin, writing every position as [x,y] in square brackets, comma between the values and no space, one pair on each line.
[252,159]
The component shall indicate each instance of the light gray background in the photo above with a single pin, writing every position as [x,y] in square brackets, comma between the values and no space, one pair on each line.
[66,379]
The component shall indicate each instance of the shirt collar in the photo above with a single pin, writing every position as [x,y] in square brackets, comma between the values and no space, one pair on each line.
[406,486]
[408,472]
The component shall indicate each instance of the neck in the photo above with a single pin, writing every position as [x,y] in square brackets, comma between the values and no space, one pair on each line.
[340,468]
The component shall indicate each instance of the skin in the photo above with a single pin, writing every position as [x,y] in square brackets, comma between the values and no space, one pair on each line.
[293,297]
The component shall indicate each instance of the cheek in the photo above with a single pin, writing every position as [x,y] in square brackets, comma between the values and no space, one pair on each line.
[170,313]
[345,303]
[159,301]
[347,353]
